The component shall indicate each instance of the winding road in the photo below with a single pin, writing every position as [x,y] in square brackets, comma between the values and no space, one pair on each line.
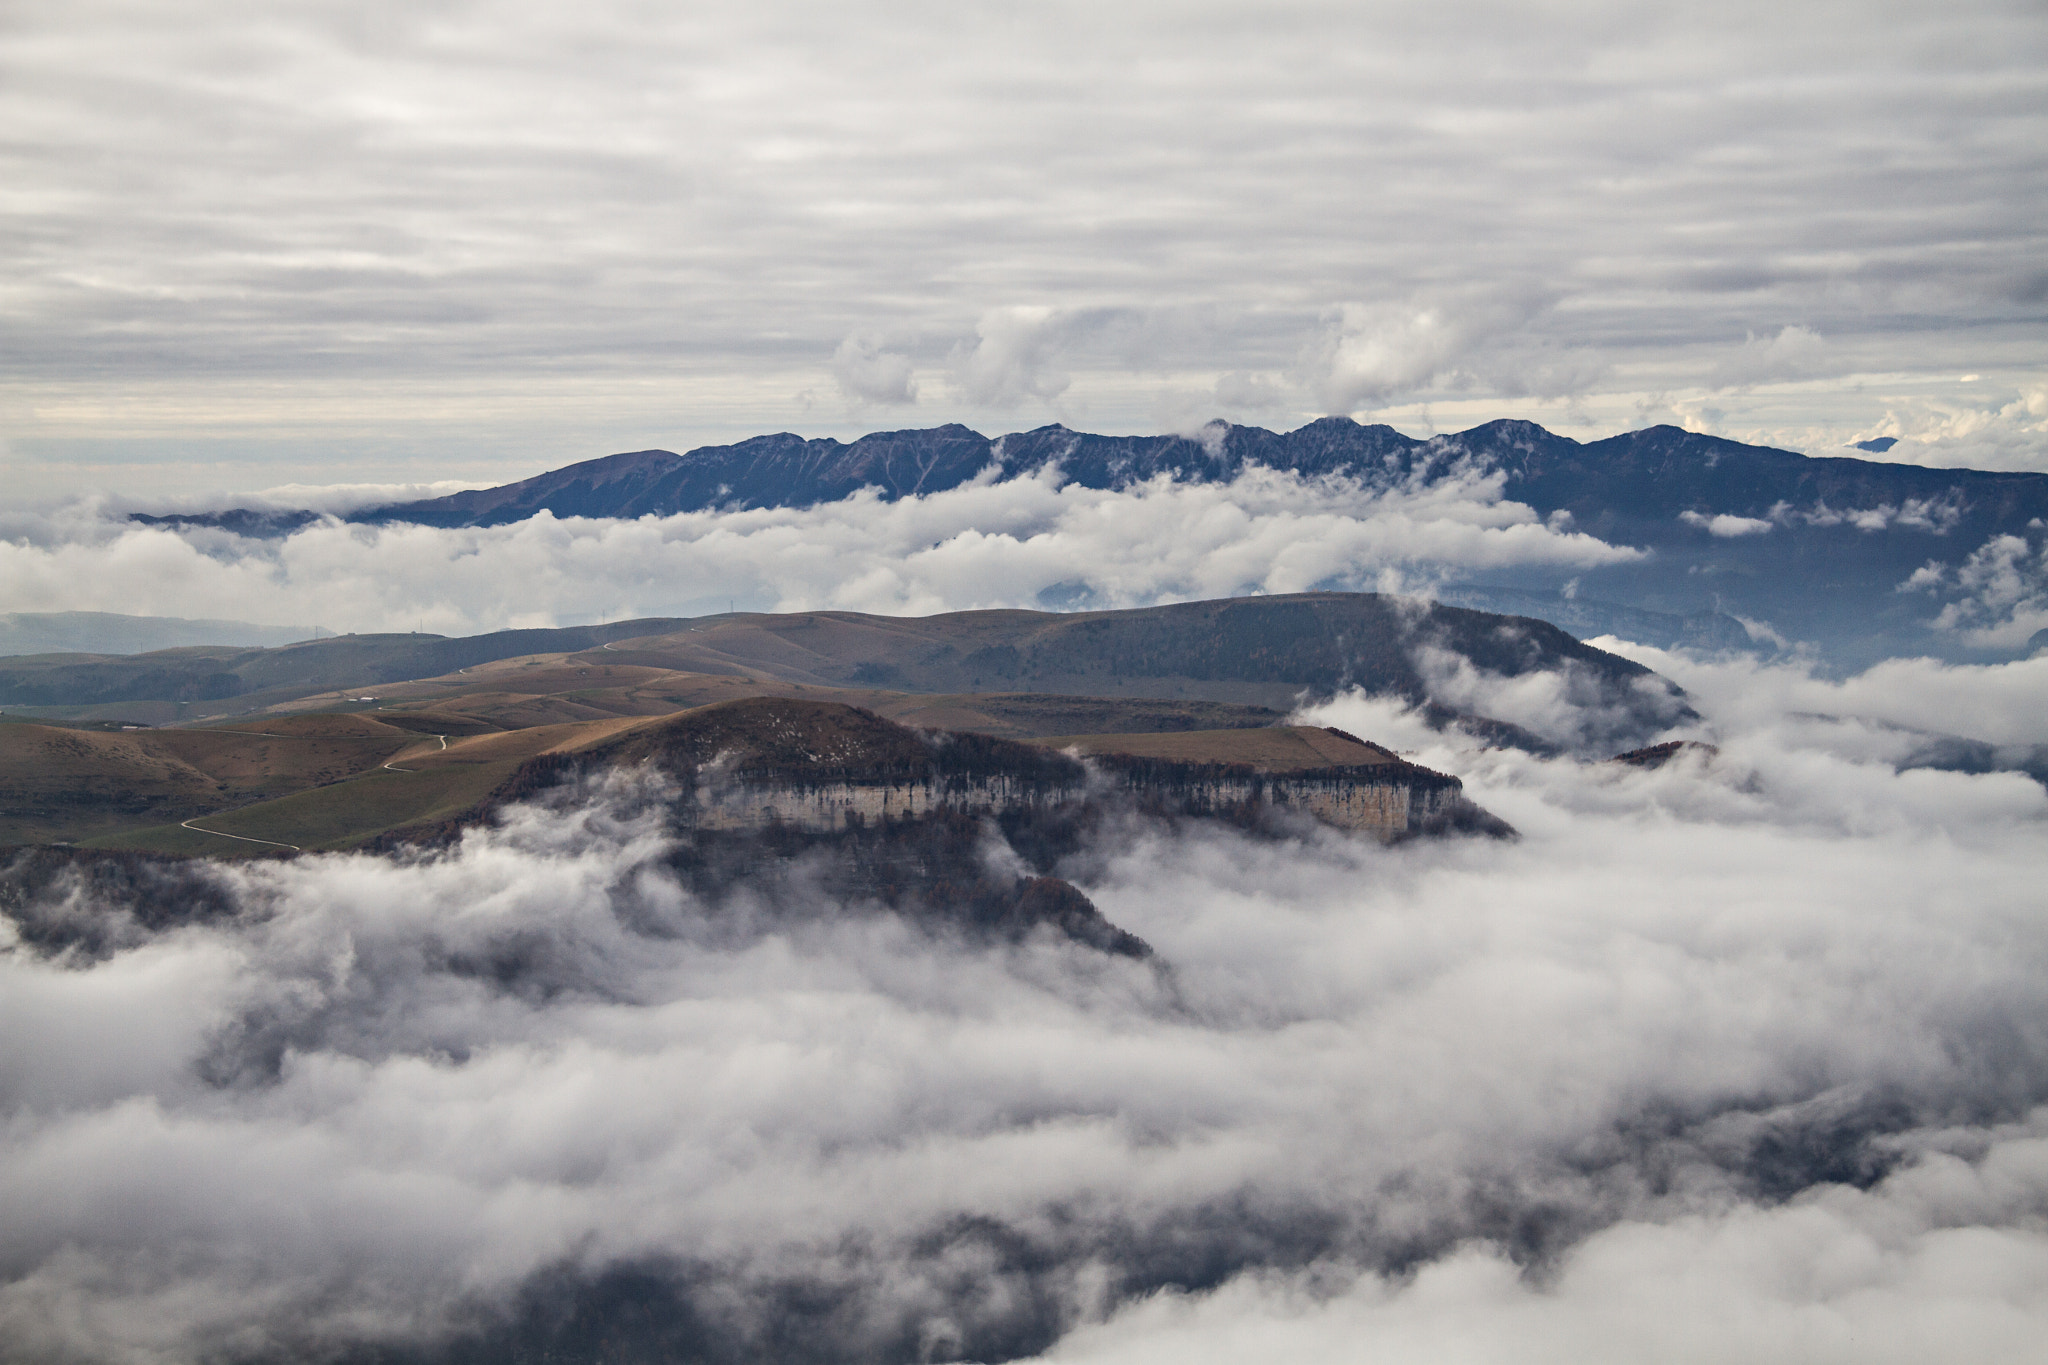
[273,843]
[223,834]
[389,768]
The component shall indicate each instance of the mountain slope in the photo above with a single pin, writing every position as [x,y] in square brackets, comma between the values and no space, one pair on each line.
[1648,476]
[766,471]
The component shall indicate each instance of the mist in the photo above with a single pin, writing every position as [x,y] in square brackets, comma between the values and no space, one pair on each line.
[1741,1055]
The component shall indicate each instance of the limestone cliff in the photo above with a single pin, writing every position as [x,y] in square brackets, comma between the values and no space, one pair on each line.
[824,767]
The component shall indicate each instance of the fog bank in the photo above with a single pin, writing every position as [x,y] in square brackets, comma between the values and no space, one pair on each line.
[984,545]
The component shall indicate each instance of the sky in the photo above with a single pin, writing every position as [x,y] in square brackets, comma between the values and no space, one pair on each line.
[252,245]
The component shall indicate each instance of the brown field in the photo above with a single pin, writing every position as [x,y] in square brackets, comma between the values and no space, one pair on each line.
[556,689]
[420,784]
[1280,749]
[317,759]
[333,770]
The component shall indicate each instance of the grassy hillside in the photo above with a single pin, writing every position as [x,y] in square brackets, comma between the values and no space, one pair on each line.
[319,779]
[1255,650]
[198,682]
[329,767]
[339,816]
[1249,651]
[67,784]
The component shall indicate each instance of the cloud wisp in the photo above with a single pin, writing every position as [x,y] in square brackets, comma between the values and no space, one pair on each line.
[1740,1052]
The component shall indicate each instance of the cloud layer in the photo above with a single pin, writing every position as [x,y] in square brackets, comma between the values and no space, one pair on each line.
[984,545]
[1742,1054]
[503,237]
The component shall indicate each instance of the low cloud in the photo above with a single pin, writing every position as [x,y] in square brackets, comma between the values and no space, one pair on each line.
[982,545]
[1904,1272]
[1937,514]
[1015,357]
[1880,715]
[1739,1056]
[1372,353]
[1726,525]
[1575,708]
[868,374]
[1996,598]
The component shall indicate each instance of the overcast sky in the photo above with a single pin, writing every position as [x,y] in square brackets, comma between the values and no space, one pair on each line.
[249,244]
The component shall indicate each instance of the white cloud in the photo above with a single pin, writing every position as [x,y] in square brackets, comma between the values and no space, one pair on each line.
[1371,353]
[2003,589]
[1588,1095]
[982,545]
[1938,515]
[1571,706]
[1014,357]
[1948,432]
[1244,392]
[1996,598]
[1902,1274]
[1726,524]
[1999,704]
[868,374]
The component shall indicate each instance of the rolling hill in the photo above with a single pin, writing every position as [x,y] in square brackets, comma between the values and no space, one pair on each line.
[290,760]
[1265,652]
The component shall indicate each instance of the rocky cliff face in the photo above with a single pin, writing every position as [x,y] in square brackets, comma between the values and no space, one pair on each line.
[780,809]
[1390,806]
[727,803]
[824,768]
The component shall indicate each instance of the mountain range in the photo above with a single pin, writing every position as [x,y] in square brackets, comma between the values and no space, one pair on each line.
[1803,548]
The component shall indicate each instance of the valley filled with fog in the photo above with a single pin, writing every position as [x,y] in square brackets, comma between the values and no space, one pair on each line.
[1747,1048]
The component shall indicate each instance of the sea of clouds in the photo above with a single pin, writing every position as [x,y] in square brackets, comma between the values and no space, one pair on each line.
[987,544]
[1032,541]
[1743,1057]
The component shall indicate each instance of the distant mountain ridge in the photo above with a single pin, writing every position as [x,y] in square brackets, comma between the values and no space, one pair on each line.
[1657,473]
[1816,546]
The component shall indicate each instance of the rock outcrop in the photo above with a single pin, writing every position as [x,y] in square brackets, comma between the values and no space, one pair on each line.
[823,767]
